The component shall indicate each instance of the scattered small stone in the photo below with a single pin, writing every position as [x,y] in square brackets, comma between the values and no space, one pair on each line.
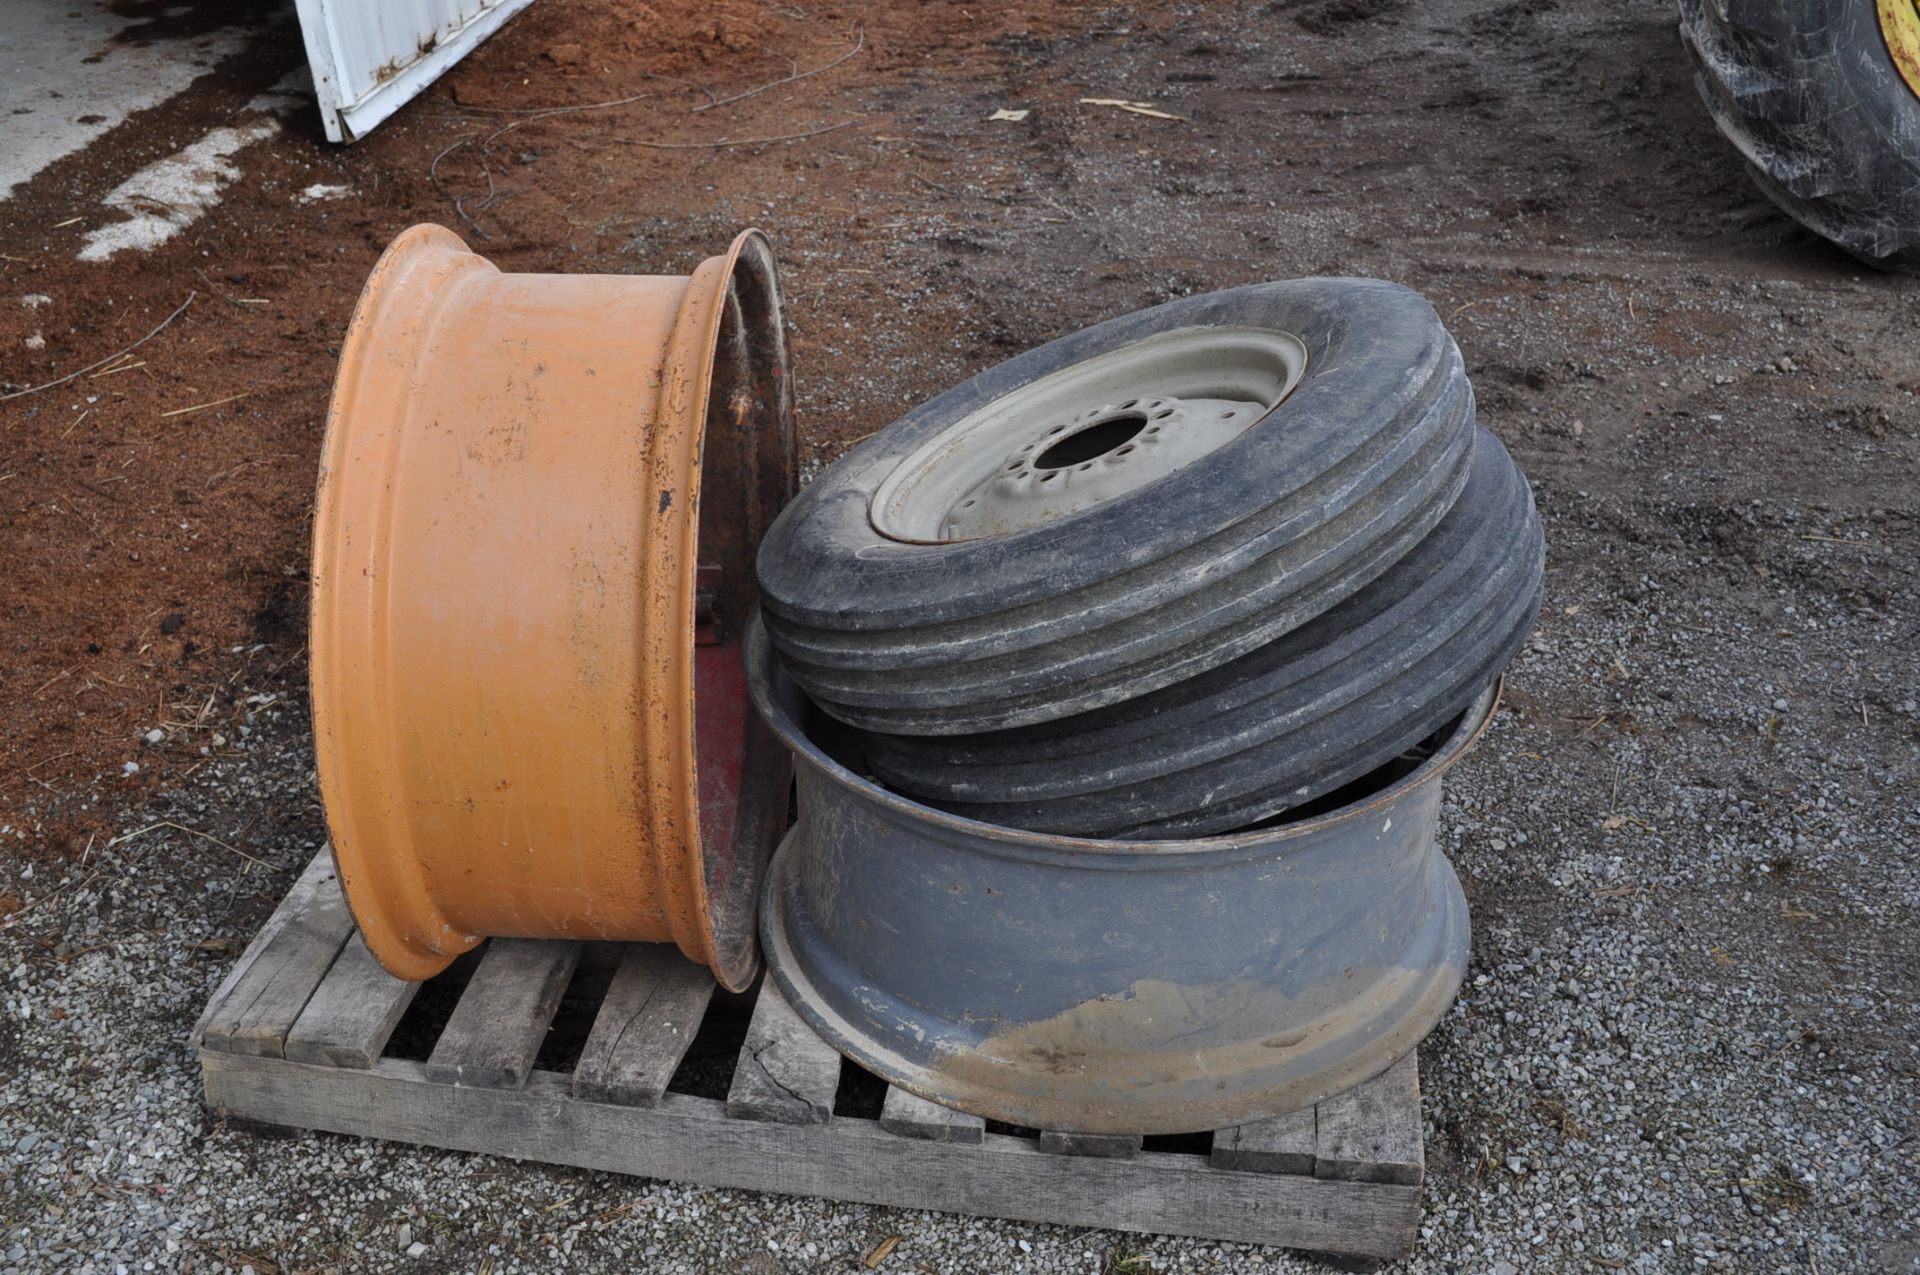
[34,300]
[156,736]
[36,342]
[130,768]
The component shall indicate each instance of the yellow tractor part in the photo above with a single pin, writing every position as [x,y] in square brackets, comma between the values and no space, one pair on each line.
[1900,27]
[538,503]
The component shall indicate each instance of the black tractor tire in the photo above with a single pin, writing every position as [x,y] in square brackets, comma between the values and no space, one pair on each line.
[1809,93]
[1135,593]
[1281,726]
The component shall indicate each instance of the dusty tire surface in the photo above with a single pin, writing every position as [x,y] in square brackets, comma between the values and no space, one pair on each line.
[1283,725]
[1325,490]
[1811,95]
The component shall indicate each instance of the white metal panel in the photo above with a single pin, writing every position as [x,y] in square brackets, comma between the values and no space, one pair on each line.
[369,57]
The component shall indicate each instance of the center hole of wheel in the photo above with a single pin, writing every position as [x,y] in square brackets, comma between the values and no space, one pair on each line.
[1097,439]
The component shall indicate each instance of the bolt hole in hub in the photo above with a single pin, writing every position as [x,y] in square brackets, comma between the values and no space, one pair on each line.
[1088,433]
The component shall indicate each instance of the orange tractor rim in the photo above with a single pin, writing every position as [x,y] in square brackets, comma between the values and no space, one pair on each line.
[538,501]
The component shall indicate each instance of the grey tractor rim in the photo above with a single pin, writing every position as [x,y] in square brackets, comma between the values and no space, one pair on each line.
[1088,433]
[1111,987]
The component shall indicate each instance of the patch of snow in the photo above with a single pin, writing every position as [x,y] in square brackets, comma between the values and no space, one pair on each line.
[67,76]
[320,190]
[170,194]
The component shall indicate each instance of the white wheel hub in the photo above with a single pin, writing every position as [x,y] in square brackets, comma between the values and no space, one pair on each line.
[1088,433]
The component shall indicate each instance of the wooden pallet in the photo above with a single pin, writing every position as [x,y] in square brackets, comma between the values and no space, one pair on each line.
[308,1031]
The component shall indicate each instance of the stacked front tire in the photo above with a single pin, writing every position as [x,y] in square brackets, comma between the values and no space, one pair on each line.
[1173,575]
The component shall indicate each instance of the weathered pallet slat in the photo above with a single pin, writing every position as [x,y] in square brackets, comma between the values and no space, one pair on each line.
[1284,1144]
[912,1116]
[1371,1133]
[1342,1179]
[277,975]
[1107,1146]
[352,1013]
[318,874]
[496,1029]
[648,1019]
[695,1140]
[785,1073]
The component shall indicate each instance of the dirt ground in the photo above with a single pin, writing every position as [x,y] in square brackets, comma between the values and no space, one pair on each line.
[1540,169]
[1715,728]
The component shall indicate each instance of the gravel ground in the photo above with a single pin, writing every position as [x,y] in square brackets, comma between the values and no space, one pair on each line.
[1688,1038]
